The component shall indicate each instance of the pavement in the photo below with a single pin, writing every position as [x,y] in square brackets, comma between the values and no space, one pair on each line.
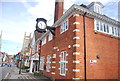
[13,74]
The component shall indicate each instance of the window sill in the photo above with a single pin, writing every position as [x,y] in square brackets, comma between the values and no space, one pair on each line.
[105,34]
[62,74]
[63,32]
[50,40]
[43,44]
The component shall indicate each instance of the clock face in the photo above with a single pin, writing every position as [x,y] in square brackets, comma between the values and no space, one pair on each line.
[41,25]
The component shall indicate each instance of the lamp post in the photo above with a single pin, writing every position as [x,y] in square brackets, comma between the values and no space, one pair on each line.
[20,63]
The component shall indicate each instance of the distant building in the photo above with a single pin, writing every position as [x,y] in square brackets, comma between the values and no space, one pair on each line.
[25,50]
[1,57]
[85,45]
[10,58]
[0,40]
[5,58]
[34,52]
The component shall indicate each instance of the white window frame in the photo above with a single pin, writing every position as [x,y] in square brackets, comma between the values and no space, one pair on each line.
[97,25]
[101,26]
[37,47]
[50,37]
[48,63]
[63,63]
[33,50]
[115,31]
[118,32]
[106,28]
[42,62]
[64,26]
[43,41]
[97,9]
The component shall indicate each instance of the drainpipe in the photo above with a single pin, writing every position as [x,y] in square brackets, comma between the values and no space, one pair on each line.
[40,52]
[84,23]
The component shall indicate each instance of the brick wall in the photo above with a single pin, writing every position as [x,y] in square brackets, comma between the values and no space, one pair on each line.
[96,44]
[104,46]
[62,41]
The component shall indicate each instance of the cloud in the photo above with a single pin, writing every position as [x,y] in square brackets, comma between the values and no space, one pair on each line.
[16,0]
[44,9]
[15,31]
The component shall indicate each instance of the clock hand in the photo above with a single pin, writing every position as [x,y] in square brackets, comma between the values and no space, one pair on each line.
[40,30]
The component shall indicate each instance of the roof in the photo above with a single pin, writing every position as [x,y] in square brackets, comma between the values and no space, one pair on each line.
[81,10]
[91,4]
[83,5]
[77,9]
[35,37]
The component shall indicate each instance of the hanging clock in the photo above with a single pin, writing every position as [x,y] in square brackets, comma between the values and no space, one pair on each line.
[41,23]
[41,26]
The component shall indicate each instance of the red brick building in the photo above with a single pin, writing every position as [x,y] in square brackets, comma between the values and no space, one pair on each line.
[85,45]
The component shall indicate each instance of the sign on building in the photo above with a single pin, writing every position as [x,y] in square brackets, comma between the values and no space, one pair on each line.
[93,62]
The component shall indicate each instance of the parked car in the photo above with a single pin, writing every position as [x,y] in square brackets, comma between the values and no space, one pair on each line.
[0,64]
[9,65]
[3,64]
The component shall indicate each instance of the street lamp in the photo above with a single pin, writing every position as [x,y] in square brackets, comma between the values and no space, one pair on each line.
[20,63]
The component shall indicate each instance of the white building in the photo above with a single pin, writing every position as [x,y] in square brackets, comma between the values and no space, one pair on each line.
[34,58]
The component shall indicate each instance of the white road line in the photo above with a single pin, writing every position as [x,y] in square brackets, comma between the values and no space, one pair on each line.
[7,74]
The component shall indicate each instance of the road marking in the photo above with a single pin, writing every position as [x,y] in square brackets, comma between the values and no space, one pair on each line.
[7,74]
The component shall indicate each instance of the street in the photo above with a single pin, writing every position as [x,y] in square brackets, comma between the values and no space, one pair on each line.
[10,73]
[4,71]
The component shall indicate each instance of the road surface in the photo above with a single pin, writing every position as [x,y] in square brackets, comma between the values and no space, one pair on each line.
[4,71]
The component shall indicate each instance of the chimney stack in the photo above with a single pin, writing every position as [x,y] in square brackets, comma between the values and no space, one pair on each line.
[59,7]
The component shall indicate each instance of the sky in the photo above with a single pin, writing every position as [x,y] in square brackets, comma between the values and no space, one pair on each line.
[19,16]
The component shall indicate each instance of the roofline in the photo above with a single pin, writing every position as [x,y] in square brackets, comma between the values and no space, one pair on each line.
[95,3]
[81,10]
